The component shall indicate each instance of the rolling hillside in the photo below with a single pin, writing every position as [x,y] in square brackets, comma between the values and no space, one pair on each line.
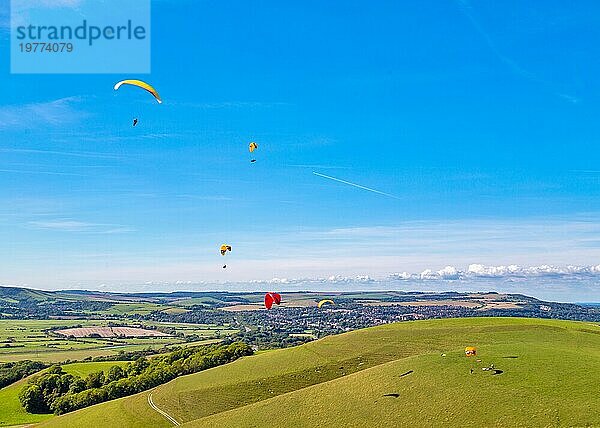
[11,412]
[343,381]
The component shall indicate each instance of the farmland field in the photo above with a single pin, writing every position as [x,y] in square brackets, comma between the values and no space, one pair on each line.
[105,332]
[132,308]
[37,339]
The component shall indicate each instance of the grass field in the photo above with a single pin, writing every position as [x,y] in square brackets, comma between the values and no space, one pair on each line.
[549,379]
[84,369]
[197,301]
[133,309]
[11,412]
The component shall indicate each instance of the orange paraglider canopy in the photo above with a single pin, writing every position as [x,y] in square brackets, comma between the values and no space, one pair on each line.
[271,298]
[470,351]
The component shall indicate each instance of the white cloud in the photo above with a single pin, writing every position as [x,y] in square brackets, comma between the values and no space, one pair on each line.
[34,172]
[35,115]
[64,225]
[332,279]
[449,272]
[67,225]
[205,197]
[92,155]
[478,271]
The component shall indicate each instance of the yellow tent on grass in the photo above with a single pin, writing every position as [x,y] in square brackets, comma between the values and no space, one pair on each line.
[470,351]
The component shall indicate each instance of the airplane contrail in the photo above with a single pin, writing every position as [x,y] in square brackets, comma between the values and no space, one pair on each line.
[355,185]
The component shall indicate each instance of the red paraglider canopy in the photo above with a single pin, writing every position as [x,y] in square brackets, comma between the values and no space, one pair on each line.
[271,298]
[277,297]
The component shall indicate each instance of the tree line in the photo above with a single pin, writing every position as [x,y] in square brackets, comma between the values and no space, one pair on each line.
[59,392]
[13,372]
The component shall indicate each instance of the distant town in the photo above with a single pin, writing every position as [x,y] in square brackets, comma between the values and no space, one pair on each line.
[189,317]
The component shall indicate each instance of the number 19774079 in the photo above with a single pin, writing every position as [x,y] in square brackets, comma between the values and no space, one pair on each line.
[46,47]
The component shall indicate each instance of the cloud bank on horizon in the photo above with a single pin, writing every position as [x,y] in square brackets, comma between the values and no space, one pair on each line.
[475,271]
[546,282]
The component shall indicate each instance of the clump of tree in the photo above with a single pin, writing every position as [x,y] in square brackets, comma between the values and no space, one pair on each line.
[269,339]
[59,392]
[13,372]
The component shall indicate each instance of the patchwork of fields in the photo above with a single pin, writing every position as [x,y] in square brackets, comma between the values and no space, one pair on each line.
[38,340]
[104,332]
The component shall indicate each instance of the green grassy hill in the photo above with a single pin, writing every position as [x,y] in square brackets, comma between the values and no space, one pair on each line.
[549,379]
[11,412]
[14,294]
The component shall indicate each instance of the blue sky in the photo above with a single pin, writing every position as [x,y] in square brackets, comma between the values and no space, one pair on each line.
[480,117]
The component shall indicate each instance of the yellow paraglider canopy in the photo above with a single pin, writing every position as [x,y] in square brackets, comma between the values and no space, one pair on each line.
[470,351]
[225,248]
[140,84]
[252,146]
[324,302]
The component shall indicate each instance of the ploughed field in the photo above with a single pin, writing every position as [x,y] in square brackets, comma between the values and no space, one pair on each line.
[405,374]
